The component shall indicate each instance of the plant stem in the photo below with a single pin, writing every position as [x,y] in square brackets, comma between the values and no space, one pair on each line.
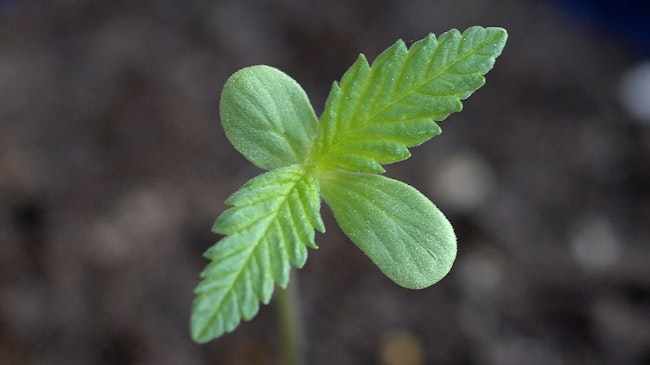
[290,320]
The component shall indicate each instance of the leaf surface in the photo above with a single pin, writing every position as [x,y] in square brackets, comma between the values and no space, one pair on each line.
[267,116]
[268,228]
[403,233]
[376,113]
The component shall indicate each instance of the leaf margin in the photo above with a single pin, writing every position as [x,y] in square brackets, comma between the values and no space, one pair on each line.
[223,314]
[337,103]
[267,116]
[362,204]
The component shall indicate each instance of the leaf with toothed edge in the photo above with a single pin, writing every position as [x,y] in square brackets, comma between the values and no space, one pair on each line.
[376,112]
[372,117]
[268,229]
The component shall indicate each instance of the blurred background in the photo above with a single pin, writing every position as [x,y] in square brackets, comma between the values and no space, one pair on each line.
[113,167]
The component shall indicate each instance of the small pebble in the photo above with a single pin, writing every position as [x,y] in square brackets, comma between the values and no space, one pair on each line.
[634,92]
[463,182]
[401,347]
[595,245]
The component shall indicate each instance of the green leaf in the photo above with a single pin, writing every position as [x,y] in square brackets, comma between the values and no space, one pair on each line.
[267,117]
[376,112]
[269,227]
[404,234]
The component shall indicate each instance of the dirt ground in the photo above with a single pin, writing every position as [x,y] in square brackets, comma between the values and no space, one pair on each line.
[113,167]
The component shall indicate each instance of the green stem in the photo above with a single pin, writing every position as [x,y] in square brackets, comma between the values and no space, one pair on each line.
[291,328]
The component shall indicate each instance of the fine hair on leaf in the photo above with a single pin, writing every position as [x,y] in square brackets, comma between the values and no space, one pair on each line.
[372,116]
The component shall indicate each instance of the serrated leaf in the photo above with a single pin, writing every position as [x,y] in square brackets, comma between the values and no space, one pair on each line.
[267,116]
[269,227]
[376,112]
[403,233]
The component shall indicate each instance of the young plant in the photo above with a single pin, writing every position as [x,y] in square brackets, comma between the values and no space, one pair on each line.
[371,118]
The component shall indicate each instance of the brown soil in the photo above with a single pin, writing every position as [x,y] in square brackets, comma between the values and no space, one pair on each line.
[113,166]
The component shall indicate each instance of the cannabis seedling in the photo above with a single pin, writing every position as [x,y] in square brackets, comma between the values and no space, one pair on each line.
[371,118]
